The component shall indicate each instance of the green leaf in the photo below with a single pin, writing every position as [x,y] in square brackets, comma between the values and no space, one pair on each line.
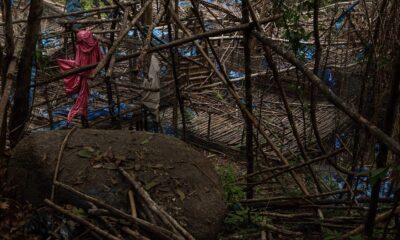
[396,167]
[331,235]
[356,237]
[79,212]
[377,174]
[146,140]
[86,152]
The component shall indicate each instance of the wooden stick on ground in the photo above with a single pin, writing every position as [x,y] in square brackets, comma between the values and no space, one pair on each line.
[145,212]
[161,233]
[280,230]
[103,220]
[132,203]
[379,218]
[79,220]
[134,234]
[153,205]
[60,155]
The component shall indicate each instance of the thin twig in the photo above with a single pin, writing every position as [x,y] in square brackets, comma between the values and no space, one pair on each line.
[60,155]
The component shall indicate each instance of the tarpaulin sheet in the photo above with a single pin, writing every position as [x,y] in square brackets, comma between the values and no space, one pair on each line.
[73,6]
[340,21]
[363,183]
[328,78]
[307,52]
[87,52]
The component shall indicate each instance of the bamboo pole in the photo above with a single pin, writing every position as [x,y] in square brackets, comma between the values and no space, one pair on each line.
[231,90]
[332,97]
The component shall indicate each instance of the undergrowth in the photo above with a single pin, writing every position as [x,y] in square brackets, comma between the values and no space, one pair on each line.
[239,218]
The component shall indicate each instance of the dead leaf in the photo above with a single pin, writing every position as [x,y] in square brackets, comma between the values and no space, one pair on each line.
[113,180]
[180,194]
[110,166]
[151,184]
[137,167]
[158,166]
[4,205]
[96,166]
[110,154]
[120,157]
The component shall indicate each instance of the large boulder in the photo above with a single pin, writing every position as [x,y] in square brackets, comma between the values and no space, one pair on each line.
[178,177]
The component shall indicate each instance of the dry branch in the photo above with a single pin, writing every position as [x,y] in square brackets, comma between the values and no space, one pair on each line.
[59,157]
[161,233]
[337,101]
[82,221]
[161,213]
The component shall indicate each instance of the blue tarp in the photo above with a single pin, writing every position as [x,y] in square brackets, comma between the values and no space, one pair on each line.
[93,114]
[328,78]
[243,101]
[73,6]
[363,184]
[210,25]
[168,130]
[339,140]
[161,37]
[158,33]
[188,51]
[163,71]
[231,2]
[306,52]
[340,21]
[132,33]
[51,42]
[33,82]
[185,4]
[234,74]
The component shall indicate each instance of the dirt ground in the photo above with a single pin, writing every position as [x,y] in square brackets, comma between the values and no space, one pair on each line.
[177,176]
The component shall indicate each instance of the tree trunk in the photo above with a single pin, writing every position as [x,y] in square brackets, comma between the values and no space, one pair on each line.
[175,74]
[21,107]
[249,97]
[388,125]
[9,53]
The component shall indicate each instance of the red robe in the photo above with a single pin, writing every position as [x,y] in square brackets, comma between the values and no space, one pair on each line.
[87,52]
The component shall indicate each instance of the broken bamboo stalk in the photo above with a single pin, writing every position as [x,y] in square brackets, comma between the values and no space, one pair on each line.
[161,233]
[280,230]
[154,206]
[332,97]
[146,213]
[286,167]
[118,41]
[175,43]
[234,94]
[132,203]
[82,221]
[378,219]
[134,234]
